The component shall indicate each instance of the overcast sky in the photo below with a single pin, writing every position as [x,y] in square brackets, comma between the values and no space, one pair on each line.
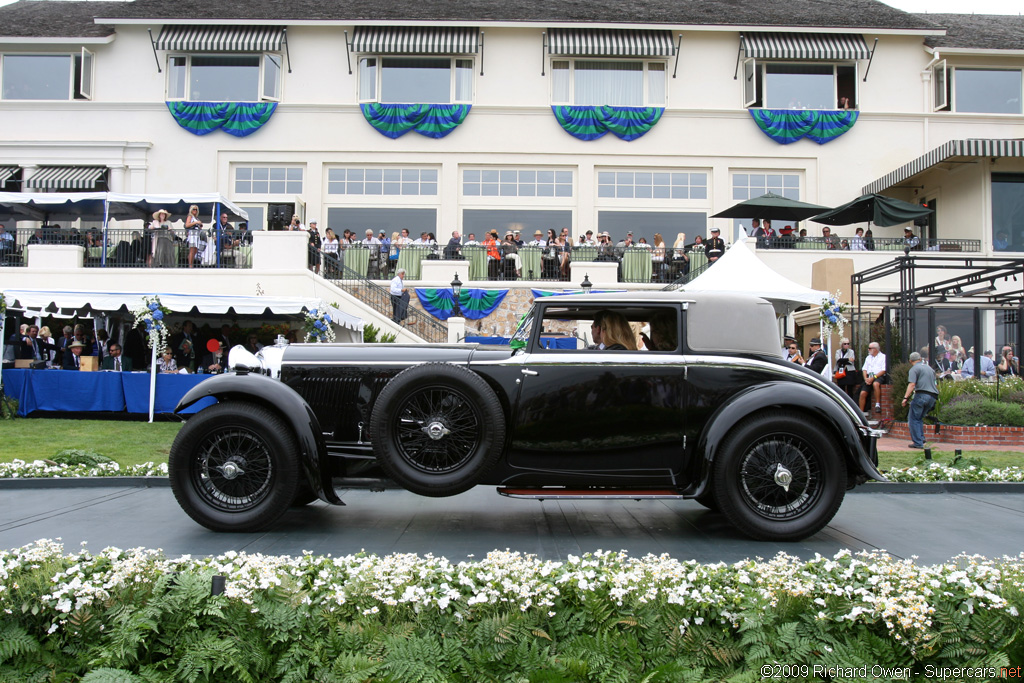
[939,6]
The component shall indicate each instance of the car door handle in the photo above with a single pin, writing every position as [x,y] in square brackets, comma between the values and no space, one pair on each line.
[529,373]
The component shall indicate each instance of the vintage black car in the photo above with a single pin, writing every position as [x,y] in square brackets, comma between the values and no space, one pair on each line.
[708,411]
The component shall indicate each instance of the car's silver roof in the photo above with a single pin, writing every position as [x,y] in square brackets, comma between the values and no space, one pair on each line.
[716,322]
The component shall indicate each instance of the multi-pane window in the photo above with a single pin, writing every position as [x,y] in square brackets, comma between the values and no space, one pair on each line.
[382,181]
[630,83]
[1007,209]
[510,182]
[268,180]
[750,185]
[415,80]
[224,77]
[978,90]
[652,185]
[46,77]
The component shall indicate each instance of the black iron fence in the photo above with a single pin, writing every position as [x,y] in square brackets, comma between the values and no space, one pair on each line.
[854,244]
[378,298]
[138,248]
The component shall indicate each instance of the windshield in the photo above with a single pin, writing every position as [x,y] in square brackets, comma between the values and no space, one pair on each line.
[522,334]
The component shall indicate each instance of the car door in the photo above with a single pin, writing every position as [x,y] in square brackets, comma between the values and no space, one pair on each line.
[606,415]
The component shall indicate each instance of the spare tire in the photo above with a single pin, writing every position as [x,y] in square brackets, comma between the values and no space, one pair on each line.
[436,428]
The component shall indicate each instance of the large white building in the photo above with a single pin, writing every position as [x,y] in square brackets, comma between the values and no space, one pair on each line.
[443,116]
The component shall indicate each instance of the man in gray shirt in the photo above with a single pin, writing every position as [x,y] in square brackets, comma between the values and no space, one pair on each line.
[920,383]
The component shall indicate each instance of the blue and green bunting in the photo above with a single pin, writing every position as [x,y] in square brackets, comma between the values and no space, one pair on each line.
[474,303]
[541,293]
[789,125]
[431,120]
[592,122]
[235,118]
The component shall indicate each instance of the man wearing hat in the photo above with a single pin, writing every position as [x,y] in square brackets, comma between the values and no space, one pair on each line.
[214,362]
[921,384]
[988,367]
[910,240]
[538,239]
[818,359]
[715,246]
[73,360]
[787,352]
[589,240]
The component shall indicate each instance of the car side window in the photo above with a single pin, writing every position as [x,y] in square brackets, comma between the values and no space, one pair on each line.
[625,328]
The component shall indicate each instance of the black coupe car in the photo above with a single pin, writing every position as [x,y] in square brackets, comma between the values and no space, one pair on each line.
[705,409]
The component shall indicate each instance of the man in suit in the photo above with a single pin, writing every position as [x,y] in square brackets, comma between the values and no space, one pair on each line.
[116,361]
[73,356]
[818,359]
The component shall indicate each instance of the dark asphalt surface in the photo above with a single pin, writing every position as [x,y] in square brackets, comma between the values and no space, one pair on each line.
[934,527]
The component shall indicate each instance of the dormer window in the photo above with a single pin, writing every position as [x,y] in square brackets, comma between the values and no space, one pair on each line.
[46,76]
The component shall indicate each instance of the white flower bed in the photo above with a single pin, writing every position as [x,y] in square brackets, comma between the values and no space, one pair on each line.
[19,469]
[867,587]
[938,472]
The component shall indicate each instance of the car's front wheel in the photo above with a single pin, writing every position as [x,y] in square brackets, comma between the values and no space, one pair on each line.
[234,467]
[779,478]
[436,428]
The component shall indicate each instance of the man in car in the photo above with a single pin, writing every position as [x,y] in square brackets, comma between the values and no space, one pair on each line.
[874,375]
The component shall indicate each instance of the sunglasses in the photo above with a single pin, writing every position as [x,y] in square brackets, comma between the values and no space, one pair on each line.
[792,348]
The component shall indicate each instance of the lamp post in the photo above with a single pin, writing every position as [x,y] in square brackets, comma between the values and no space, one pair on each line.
[456,291]
[586,284]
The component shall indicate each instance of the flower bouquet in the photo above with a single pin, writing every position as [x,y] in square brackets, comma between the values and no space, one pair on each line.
[154,315]
[832,314]
[318,325]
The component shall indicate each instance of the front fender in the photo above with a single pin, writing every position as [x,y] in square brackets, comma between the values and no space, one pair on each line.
[807,401]
[285,401]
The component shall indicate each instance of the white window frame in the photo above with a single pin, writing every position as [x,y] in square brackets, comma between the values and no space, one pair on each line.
[264,57]
[289,196]
[940,86]
[572,78]
[652,203]
[951,90]
[539,199]
[77,61]
[754,70]
[86,74]
[378,80]
[377,198]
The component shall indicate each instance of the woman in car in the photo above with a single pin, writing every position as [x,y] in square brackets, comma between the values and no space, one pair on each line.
[616,333]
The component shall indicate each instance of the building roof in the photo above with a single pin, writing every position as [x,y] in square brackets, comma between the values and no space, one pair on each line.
[41,18]
[55,19]
[978,31]
[954,150]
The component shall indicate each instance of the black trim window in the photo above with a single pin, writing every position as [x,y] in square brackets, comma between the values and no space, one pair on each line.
[224,77]
[800,85]
[642,327]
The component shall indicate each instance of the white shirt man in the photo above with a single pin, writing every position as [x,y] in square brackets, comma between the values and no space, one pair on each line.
[471,240]
[873,370]
[538,240]
[423,240]
[372,242]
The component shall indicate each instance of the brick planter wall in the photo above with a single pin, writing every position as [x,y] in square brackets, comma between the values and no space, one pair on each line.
[964,436]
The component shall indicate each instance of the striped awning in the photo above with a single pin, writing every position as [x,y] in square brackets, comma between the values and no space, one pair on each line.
[827,46]
[6,172]
[221,38]
[968,149]
[65,178]
[610,42]
[406,40]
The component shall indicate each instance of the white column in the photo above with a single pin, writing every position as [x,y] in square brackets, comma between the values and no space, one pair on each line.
[116,179]
[456,330]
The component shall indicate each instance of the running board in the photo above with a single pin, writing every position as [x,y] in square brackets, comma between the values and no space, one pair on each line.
[589,494]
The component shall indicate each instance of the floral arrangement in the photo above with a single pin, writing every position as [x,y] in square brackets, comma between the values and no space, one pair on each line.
[153,314]
[596,617]
[20,469]
[832,314]
[318,325]
[939,472]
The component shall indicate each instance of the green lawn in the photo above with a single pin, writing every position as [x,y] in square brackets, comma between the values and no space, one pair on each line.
[132,443]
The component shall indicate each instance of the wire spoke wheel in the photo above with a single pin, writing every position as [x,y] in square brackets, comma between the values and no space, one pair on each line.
[233,470]
[780,477]
[437,430]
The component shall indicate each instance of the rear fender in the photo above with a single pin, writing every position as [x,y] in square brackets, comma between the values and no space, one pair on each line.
[807,402]
[286,402]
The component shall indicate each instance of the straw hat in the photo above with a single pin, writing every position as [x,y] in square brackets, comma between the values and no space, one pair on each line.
[157,213]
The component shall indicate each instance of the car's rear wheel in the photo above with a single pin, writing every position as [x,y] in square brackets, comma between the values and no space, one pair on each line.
[234,467]
[437,428]
[778,478]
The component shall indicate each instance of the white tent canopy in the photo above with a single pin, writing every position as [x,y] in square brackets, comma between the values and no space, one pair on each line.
[81,302]
[739,270]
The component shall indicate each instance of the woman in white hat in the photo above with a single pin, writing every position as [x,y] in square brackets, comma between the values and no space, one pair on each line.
[159,251]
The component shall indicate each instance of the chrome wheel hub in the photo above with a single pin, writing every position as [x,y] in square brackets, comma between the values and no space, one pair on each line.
[230,470]
[436,430]
[783,477]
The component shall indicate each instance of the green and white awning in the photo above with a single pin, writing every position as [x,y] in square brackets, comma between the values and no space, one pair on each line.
[65,178]
[415,40]
[610,42]
[817,46]
[968,149]
[6,172]
[221,38]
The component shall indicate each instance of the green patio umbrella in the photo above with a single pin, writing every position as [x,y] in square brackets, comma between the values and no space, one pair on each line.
[873,208]
[774,207]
